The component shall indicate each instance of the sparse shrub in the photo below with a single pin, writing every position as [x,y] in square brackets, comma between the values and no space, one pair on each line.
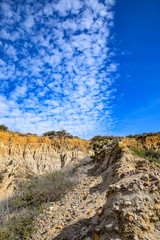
[3,128]
[33,134]
[5,234]
[76,137]
[52,134]
[42,190]
[130,136]
[102,138]
[143,135]
[149,154]
[29,201]
[19,227]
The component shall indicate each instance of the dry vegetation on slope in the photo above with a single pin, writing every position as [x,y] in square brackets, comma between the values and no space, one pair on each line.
[130,210]
[116,196]
[31,198]
[23,155]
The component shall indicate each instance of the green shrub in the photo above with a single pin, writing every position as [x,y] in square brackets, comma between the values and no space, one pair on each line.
[19,227]
[52,134]
[143,135]
[103,138]
[5,234]
[42,190]
[149,154]
[3,128]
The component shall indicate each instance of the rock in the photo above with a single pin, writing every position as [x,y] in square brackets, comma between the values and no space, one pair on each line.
[130,213]
[143,168]
[146,184]
[59,227]
[154,219]
[157,227]
[116,208]
[152,175]
[154,189]
[109,226]
[51,208]
[130,218]
[123,175]
[99,212]
[141,186]
[135,238]
[156,207]
[145,177]
[116,228]
[127,203]
[144,227]
[97,229]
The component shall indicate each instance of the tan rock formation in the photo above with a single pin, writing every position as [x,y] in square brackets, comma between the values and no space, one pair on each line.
[22,155]
[144,141]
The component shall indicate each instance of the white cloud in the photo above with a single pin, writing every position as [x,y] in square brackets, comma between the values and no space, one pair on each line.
[29,22]
[57,70]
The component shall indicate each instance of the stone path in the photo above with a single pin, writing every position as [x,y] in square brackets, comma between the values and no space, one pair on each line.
[77,204]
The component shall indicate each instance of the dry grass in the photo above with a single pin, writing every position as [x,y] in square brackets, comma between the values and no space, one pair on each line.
[32,197]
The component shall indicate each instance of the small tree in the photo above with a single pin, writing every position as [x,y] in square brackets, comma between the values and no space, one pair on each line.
[3,128]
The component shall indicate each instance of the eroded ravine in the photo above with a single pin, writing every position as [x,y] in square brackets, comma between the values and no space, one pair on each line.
[79,204]
[117,197]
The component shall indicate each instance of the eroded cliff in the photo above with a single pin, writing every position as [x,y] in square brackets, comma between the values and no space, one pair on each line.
[22,155]
[147,141]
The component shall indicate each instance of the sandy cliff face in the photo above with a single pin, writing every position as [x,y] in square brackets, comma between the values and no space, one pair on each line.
[146,142]
[22,155]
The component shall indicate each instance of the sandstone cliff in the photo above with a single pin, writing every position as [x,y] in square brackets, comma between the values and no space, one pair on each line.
[22,155]
[146,141]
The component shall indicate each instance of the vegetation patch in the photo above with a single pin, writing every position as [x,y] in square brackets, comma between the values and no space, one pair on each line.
[44,189]
[149,154]
[18,227]
[104,138]
[3,128]
[31,199]
[143,135]
[52,134]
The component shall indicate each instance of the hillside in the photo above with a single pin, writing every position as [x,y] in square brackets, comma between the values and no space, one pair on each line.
[114,194]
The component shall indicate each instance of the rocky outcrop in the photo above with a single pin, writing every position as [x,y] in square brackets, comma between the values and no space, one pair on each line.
[130,209]
[22,155]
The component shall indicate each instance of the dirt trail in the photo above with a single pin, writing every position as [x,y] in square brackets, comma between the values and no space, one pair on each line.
[77,205]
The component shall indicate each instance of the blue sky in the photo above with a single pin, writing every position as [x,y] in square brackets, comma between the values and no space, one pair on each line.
[137,25]
[88,66]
